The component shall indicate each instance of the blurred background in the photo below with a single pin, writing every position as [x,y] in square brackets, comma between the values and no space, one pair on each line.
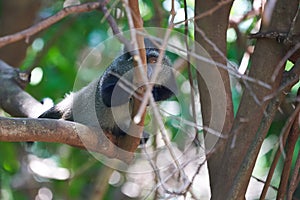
[57,171]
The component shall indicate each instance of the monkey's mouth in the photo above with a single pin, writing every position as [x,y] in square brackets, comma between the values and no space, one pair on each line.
[159,92]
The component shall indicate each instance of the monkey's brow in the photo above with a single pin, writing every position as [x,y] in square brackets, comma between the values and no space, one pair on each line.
[153,53]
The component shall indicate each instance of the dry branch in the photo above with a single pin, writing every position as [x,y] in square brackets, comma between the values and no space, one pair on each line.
[25,34]
[59,131]
[290,147]
[18,103]
[250,134]
[13,99]
[295,180]
[115,29]
[283,135]
[211,37]
[131,141]
[251,125]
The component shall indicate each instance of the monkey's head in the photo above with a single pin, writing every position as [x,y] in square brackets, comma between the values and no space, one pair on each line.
[116,85]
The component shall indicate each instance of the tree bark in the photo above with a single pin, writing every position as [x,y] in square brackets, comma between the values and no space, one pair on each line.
[15,16]
[267,55]
[214,27]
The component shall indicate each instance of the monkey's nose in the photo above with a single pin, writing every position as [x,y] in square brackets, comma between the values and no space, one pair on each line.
[149,71]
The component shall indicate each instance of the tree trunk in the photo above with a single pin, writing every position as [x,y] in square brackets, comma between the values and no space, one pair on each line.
[214,27]
[267,54]
[15,16]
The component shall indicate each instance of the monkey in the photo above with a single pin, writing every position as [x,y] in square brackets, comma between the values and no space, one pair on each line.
[107,101]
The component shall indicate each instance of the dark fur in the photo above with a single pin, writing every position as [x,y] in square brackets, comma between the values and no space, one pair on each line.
[97,100]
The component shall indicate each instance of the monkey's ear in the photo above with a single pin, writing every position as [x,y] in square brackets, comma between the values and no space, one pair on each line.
[114,92]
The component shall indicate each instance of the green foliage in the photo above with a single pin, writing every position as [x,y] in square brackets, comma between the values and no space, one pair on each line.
[67,39]
[8,158]
[63,47]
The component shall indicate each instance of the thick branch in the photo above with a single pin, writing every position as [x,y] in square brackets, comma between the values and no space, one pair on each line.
[13,99]
[49,130]
[210,33]
[131,141]
[241,179]
[248,125]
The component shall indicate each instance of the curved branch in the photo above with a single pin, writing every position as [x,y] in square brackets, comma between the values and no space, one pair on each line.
[25,34]
[13,99]
[59,131]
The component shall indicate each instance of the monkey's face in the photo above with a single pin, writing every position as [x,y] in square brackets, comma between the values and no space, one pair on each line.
[165,84]
[116,89]
[117,82]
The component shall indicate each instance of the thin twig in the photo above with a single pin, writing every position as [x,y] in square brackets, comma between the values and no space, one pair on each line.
[295,179]
[206,13]
[192,93]
[283,137]
[148,95]
[289,78]
[155,169]
[250,14]
[62,28]
[167,178]
[262,181]
[115,29]
[249,160]
[290,147]
[109,10]
[293,25]
[283,60]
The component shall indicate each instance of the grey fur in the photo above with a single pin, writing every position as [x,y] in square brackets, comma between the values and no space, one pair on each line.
[104,103]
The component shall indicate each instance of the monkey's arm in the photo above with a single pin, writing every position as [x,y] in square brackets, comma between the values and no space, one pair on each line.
[62,110]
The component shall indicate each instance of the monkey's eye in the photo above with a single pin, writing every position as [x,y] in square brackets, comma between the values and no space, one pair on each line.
[152,60]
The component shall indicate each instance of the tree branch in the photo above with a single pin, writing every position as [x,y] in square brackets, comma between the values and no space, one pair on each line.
[283,137]
[13,99]
[115,29]
[131,141]
[290,148]
[212,37]
[60,131]
[294,183]
[247,128]
[248,136]
[17,102]
[250,158]
[25,34]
